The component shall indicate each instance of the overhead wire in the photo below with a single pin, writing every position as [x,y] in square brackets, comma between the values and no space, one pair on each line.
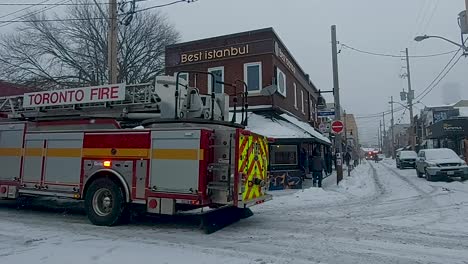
[23,9]
[394,55]
[428,22]
[436,80]
[22,18]
[437,83]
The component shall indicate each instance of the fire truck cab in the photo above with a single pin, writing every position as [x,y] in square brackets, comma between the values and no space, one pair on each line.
[152,145]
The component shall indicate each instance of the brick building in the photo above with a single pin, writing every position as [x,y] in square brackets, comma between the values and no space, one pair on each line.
[260,59]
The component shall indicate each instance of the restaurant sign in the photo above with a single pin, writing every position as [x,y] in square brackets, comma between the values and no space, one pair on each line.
[280,53]
[213,54]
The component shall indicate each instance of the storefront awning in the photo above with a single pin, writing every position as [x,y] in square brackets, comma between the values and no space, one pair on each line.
[282,126]
[456,127]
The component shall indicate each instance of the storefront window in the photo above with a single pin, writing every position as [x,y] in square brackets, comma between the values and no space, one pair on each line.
[283,155]
[219,76]
[281,82]
[253,76]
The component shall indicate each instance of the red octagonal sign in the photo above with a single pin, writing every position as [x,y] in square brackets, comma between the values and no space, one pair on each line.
[337,126]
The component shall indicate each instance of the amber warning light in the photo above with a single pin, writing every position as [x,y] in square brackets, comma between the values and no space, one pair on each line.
[107,163]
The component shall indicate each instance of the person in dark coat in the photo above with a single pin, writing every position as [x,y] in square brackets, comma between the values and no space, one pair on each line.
[317,165]
[347,158]
[303,161]
[329,161]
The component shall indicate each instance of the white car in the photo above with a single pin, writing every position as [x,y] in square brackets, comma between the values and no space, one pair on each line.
[440,164]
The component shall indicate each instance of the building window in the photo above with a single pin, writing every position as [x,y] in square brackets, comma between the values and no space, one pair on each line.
[183,76]
[311,108]
[295,95]
[281,82]
[302,102]
[283,155]
[253,76]
[219,77]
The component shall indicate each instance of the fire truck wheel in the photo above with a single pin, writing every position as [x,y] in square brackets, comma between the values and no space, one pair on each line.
[105,203]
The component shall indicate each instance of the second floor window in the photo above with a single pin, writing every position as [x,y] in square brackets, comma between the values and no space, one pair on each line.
[219,77]
[295,95]
[281,82]
[253,76]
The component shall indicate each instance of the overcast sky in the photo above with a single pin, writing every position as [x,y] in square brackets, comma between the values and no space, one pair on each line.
[366,81]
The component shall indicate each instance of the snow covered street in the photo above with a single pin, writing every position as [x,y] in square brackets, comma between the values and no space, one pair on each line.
[378,215]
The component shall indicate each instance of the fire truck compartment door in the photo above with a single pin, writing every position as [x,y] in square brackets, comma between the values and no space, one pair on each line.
[175,161]
[11,143]
[63,158]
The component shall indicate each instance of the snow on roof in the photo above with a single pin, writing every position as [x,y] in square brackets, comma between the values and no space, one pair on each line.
[287,127]
[272,127]
[306,127]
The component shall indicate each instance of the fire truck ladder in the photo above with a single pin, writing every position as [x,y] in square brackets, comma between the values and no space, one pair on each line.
[141,102]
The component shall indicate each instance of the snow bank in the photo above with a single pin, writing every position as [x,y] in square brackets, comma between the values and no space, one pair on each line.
[360,183]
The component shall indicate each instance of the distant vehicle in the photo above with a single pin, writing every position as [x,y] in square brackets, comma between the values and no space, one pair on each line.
[406,159]
[370,155]
[440,164]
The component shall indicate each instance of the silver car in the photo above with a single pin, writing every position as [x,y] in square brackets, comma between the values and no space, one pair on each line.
[406,159]
[440,164]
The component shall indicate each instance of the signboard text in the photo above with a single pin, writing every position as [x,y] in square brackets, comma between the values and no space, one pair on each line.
[95,94]
[214,54]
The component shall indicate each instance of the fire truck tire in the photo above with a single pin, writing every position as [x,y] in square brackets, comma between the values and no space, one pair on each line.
[105,203]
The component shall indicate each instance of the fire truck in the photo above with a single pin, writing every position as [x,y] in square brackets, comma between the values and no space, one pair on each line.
[161,146]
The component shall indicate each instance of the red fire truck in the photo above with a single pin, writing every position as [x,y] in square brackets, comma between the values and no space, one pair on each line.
[116,147]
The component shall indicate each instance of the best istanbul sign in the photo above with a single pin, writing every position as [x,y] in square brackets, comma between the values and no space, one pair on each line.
[83,95]
[214,54]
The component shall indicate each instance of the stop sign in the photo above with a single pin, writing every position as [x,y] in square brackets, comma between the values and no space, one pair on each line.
[337,126]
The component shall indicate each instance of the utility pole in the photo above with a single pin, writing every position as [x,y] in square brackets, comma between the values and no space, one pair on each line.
[336,93]
[410,98]
[380,135]
[112,50]
[384,135]
[393,127]
[345,130]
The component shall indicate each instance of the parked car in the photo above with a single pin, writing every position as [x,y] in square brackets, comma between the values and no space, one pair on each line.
[440,164]
[406,159]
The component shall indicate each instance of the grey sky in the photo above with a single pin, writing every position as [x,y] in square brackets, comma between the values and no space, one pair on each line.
[373,25]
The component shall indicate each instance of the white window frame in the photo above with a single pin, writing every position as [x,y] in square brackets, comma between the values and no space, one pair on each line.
[278,72]
[302,101]
[295,95]
[260,85]
[209,78]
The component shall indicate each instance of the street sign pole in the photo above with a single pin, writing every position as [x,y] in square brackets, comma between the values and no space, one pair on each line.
[336,93]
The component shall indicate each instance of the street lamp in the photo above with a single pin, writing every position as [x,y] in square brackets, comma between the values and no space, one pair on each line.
[424,37]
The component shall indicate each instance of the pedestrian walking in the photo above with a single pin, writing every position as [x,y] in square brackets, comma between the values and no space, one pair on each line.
[355,158]
[328,161]
[317,165]
[376,158]
[347,158]
[303,162]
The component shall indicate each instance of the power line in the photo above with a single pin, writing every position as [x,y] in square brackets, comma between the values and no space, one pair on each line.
[23,9]
[394,55]
[431,16]
[440,73]
[22,17]
[80,19]
[163,5]
[446,73]
[41,4]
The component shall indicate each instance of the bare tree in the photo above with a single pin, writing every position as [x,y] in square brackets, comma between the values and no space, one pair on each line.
[72,52]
